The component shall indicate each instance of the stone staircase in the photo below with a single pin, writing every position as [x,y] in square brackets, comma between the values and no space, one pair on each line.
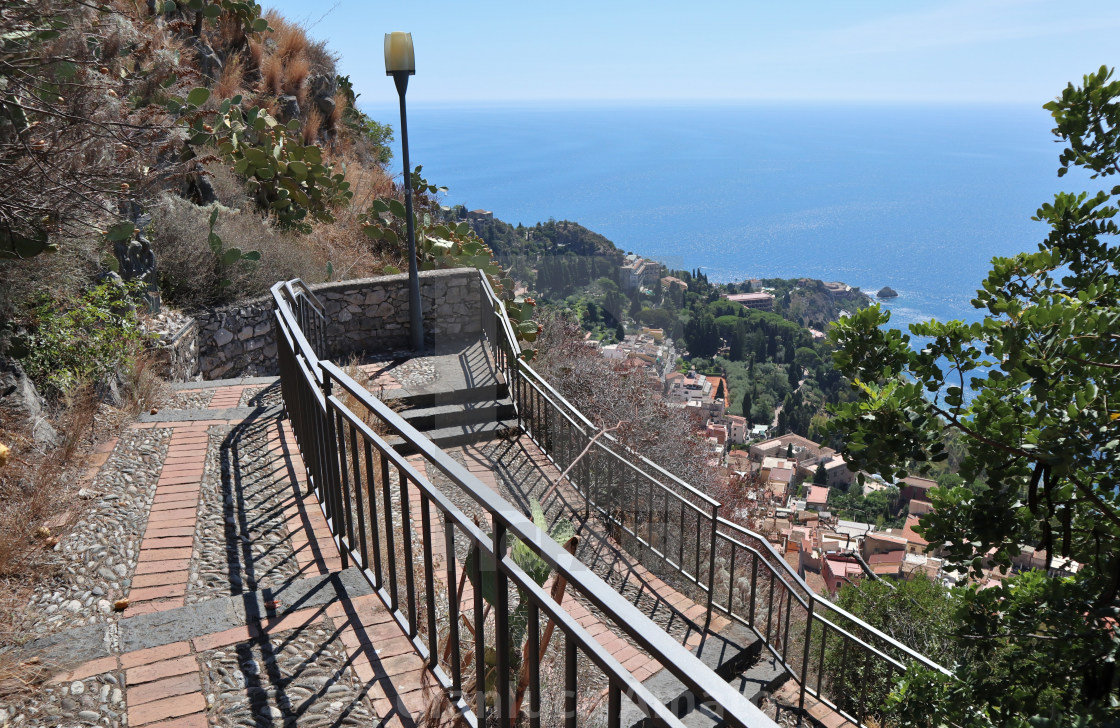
[736,655]
[453,394]
[458,417]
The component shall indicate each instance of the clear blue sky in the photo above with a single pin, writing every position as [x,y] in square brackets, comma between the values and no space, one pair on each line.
[1018,51]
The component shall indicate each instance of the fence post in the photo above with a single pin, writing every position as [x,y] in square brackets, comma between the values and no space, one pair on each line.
[711,570]
[502,645]
[332,486]
[805,657]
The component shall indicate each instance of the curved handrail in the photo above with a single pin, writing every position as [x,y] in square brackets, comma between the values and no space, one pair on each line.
[307,378]
[725,531]
[798,581]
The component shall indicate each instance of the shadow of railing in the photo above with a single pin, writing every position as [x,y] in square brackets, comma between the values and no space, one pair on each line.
[454,585]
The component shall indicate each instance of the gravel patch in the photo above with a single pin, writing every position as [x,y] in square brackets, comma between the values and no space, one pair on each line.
[240,541]
[95,559]
[262,396]
[187,399]
[295,677]
[97,700]
[407,371]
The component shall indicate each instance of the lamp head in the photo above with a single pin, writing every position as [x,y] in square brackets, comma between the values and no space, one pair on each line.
[399,56]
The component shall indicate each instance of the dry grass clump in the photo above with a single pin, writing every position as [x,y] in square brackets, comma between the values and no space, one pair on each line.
[256,52]
[291,40]
[272,74]
[228,187]
[341,103]
[312,126]
[23,282]
[189,273]
[296,71]
[229,83]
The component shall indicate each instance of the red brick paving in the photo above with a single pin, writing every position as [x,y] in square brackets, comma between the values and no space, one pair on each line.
[162,683]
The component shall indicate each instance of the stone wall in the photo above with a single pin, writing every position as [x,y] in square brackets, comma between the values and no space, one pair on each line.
[368,315]
[176,358]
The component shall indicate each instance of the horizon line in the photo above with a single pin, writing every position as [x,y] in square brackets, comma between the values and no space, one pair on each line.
[391,103]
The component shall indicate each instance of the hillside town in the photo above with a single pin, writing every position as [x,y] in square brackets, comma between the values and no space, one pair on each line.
[789,480]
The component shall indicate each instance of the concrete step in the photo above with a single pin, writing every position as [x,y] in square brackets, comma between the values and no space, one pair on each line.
[441,416]
[736,655]
[464,395]
[457,435]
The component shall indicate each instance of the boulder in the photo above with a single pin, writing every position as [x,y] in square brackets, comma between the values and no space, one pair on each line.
[209,62]
[325,104]
[19,397]
[887,292]
[323,85]
[288,107]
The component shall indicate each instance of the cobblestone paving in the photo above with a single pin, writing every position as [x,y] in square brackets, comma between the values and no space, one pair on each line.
[95,700]
[263,396]
[241,543]
[188,399]
[300,677]
[97,555]
[183,513]
[399,371]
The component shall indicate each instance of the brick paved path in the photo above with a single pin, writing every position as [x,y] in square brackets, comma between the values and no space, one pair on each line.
[314,648]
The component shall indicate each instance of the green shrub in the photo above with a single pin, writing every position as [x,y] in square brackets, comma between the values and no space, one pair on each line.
[83,339]
[190,273]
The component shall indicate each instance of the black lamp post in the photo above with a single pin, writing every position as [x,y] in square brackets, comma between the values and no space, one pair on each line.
[400,63]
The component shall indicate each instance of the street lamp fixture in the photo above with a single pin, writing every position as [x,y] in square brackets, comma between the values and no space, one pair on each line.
[400,63]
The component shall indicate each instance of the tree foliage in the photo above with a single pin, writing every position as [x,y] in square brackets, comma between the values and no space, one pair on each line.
[1041,465]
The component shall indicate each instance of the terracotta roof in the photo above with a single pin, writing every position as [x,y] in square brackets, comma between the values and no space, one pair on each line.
[922,483]
[842,568]
[784,475]
[817,494]
[908,531]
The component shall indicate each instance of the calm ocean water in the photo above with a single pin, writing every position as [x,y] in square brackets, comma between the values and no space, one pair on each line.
[917,198]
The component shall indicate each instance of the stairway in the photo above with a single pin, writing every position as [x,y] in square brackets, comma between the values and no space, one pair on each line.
[736,655]
[459,399]
[458,417]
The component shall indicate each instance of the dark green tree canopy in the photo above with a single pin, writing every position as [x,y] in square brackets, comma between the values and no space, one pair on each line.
[1042,431]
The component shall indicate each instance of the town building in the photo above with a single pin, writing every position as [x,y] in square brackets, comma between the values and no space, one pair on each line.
[638,272]
[817,498]
[761,301]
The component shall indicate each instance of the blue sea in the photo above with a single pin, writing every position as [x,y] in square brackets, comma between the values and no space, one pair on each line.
[919,198]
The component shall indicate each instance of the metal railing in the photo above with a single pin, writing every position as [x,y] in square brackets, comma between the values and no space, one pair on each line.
[450,581]
[834,656]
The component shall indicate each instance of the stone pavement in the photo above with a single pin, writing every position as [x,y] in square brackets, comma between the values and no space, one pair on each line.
[238,612]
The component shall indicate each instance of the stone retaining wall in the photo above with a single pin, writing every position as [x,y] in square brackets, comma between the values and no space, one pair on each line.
[367,315]
[177,357]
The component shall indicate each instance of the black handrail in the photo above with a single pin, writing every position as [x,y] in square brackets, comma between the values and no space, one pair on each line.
[561,430]
[387,518]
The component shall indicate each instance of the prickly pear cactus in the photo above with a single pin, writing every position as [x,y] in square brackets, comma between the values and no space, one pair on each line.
[286,177]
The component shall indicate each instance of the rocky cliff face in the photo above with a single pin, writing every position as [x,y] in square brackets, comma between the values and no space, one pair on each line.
[813,304]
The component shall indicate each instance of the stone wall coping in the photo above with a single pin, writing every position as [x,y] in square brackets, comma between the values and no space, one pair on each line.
[351,283]
[192,323]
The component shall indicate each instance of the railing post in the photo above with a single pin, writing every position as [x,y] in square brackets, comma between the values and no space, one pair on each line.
[711,569]
[332,487]
[502,646]
[805,657]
